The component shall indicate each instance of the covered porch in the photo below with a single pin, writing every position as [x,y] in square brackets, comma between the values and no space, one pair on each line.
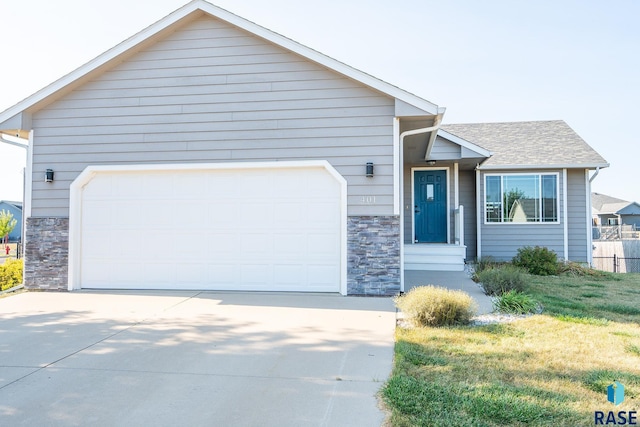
[438,198]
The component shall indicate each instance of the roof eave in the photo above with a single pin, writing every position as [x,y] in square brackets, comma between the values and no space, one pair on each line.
[551,166]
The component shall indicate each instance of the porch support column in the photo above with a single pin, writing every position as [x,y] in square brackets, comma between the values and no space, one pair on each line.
[456,188]
[398,200]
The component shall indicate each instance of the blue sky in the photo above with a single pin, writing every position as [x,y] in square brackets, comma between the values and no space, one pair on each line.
[488,61]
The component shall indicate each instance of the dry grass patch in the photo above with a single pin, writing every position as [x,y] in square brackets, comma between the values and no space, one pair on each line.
[550,369]
[536,371]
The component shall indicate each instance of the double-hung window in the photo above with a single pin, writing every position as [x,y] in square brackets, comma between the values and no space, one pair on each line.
[521,198]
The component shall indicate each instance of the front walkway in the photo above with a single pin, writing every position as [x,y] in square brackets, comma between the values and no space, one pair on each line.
[458,280]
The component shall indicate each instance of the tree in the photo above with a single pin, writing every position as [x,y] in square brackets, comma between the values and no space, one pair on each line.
[7,224]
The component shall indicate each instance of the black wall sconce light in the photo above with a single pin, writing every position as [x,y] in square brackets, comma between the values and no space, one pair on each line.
[369,170]
[48,175]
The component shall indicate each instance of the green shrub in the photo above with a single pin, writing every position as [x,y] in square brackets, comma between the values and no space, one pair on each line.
[496,281]
[10,273]
[537,260]
[436,306]
[515,302]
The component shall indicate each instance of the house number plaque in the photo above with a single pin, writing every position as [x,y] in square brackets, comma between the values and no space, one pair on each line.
[368,200]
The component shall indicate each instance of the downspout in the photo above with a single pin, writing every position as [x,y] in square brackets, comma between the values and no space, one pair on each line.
[565,216]
[589,219]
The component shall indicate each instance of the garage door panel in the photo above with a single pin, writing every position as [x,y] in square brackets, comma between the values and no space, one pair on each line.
[323,276]
[256,243]
[257,276]
[255,214]
[100,188]
[287,276]
[193,214]
[219,274]
[228,229]
[156,185]
[323,214]
[321,244]
[290,245]
[127,187]
[99,243]
[223,245]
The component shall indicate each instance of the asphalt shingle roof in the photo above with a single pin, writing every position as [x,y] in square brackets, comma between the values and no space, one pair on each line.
[540,143]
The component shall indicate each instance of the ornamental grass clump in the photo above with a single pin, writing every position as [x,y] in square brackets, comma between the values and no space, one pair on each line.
[436,306]
[514,302]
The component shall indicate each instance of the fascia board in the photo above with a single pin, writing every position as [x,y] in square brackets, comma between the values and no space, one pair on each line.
[203,6]
[464,143]
[553,166]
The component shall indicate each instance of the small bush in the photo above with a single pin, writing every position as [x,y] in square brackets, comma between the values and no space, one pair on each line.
[514,302]
[436,306]
[496,281]
[537,260]
[10,273]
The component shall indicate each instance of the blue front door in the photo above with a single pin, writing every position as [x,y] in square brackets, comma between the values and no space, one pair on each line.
[430,206]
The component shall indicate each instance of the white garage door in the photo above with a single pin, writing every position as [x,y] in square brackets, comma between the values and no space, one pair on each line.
[259,228]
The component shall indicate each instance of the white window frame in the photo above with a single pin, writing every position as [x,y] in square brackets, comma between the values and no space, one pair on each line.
[540,175]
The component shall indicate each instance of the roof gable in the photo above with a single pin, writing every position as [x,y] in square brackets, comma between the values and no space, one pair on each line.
[10,119]
[599,200]
[529,145]
[630,209]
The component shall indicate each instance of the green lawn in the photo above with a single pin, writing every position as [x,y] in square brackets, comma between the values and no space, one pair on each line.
[548,369]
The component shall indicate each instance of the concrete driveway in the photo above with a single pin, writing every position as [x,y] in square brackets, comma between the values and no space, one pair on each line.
[193,358]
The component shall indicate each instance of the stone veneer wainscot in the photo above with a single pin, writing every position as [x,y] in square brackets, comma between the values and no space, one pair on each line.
[373,252]
[46,254]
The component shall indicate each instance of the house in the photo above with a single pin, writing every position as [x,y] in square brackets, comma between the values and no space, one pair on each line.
[612,211]
[15,209]
[207,152]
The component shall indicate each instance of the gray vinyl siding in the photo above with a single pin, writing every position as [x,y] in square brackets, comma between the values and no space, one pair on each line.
[577,212]
[502,240]
[444,150]
[467,198]
[210,92]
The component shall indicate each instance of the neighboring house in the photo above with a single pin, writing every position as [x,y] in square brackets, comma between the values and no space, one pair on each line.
[609,211]
[207,152]
[15,208]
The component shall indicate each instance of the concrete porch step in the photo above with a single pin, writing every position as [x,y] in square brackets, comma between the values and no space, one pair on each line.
[434,257]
